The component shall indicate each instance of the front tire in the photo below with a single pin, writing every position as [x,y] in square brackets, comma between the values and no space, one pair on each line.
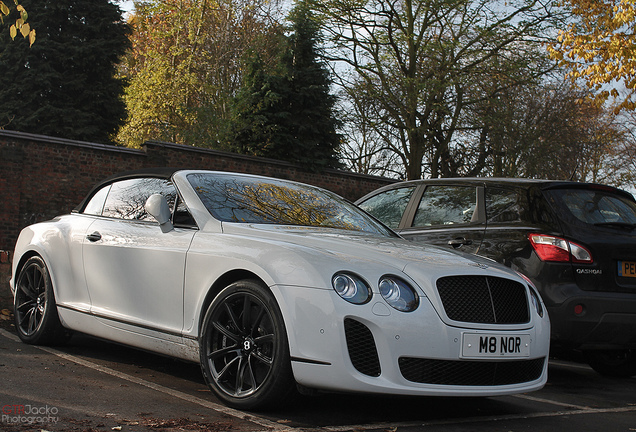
[244,349]
[35,311]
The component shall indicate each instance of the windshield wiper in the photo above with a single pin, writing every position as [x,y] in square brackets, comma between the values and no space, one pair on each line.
[625,225]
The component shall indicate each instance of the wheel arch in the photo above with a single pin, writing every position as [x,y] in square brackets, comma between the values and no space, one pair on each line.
[17,267]
[25,257]
[223,281]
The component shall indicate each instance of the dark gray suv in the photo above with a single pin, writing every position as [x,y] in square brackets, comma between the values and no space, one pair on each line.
[575,241]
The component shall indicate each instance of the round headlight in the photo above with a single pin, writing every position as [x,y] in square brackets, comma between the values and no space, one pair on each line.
[398,294]
[351,288]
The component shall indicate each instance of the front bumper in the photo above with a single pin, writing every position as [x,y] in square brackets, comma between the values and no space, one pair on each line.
[373,348]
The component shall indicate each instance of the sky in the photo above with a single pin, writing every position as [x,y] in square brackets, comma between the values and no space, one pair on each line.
[126,5]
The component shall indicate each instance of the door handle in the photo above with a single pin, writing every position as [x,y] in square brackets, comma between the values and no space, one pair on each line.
[459,242]
[94,237]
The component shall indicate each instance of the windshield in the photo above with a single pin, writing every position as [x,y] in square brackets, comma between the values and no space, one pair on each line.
[597,207]
[259,200]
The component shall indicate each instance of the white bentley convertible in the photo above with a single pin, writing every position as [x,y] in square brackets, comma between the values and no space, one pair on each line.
[272,284]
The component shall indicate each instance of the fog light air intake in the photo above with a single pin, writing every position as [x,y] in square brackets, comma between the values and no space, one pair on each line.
[361,347]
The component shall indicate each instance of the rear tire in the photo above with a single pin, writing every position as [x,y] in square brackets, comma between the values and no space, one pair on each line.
[35,311]
[613,363]
[244,349]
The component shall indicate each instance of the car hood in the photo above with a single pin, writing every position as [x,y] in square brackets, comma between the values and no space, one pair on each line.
[362,249]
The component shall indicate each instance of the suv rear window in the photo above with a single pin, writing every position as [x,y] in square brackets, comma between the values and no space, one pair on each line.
[596,207]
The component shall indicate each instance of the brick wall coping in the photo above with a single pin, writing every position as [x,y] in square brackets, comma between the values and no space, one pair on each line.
[49,139]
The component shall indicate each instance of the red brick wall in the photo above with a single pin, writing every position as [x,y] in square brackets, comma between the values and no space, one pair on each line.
[42,177]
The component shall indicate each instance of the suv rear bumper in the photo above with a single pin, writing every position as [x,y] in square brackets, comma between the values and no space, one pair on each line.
[605,321]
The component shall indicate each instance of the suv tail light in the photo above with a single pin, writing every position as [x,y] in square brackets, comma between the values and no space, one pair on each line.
[551,248]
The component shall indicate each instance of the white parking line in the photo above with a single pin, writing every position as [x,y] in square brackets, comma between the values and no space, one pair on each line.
[570,365]
[551,402]
[270,425]
[393,426]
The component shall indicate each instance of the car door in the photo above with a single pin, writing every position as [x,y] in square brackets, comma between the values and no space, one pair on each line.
[449,215]
[509,221]
[134,271]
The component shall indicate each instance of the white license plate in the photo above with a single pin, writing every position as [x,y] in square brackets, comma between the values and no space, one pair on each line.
[495,345]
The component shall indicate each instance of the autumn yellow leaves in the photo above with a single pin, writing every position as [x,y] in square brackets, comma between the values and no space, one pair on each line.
[600,49]
[21,25]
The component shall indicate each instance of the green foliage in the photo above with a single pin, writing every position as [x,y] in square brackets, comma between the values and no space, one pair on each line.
[253,127]
[64,85]
[184,68]
[288,113]
[163,72]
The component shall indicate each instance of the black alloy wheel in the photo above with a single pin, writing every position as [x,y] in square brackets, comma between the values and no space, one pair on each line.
[244,349]
[36,318]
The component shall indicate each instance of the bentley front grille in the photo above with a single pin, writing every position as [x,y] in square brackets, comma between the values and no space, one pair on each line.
[484,299]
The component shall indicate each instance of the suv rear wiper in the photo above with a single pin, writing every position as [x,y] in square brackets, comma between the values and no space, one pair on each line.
[617,225]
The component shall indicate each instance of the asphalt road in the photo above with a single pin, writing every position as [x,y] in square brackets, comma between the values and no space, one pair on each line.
[92,386]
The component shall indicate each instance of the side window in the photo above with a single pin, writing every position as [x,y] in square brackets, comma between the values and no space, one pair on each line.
[96,203]
[127,198]
[446,205]
[504,205]
[389,206]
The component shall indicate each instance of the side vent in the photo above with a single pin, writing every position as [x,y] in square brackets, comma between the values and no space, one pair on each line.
[361,347]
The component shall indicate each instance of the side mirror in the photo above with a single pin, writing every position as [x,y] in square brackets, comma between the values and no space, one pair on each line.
[157,207]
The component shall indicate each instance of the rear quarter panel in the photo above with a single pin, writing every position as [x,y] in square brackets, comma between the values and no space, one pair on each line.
[59,243]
